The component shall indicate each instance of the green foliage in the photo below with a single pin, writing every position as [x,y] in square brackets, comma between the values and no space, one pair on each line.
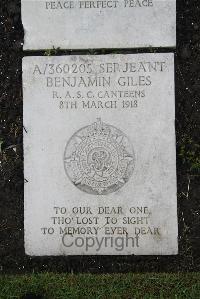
[58,286]
[190,153]
[51,52]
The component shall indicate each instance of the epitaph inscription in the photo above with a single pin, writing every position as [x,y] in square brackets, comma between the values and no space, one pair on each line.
[99,155]
[99,24]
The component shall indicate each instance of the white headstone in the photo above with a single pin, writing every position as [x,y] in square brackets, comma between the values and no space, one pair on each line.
[99,155]
[99,24]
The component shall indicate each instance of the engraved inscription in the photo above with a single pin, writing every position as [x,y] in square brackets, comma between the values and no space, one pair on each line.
[97,24]
[99,159]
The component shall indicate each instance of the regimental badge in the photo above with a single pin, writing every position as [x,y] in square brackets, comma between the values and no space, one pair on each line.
[99,159]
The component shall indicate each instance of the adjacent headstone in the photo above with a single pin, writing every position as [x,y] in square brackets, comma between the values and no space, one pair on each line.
[88,24]
[99,155]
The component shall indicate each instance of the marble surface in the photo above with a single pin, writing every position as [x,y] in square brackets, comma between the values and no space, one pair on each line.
[99,24]
[100,155]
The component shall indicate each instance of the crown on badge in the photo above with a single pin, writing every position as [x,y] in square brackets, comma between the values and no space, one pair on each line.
[99,130]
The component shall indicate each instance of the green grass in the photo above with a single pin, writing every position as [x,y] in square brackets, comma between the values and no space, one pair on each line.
[93,286]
